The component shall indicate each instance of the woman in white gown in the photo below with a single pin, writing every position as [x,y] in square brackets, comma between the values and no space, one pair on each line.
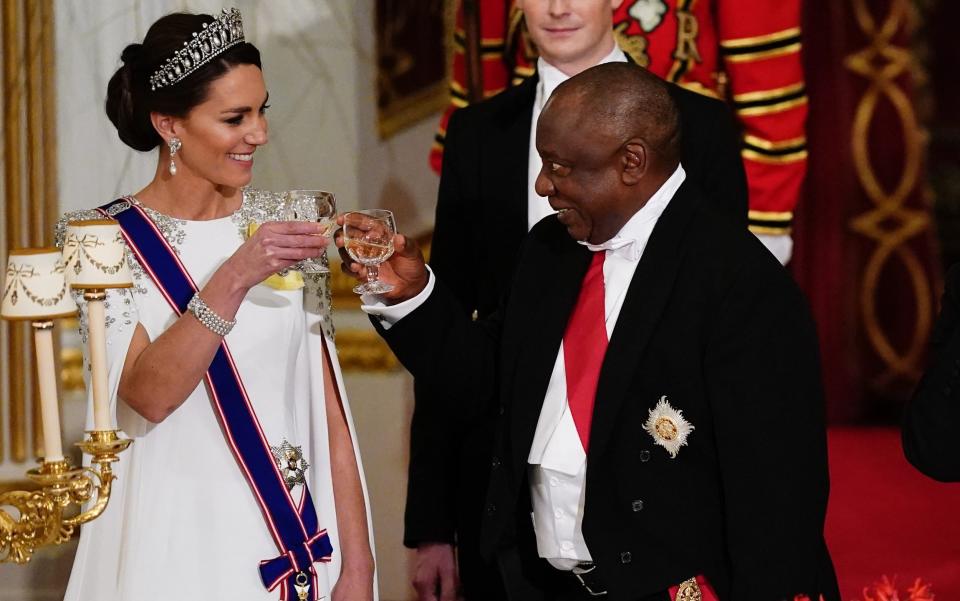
[183,522]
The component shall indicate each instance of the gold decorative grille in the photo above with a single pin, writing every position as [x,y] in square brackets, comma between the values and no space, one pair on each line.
[890,223]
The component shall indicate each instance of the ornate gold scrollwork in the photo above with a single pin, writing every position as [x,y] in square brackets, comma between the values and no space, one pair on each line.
[42,518]
[889,223]
[689,590]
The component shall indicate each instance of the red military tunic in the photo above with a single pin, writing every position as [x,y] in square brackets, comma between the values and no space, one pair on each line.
[743,51]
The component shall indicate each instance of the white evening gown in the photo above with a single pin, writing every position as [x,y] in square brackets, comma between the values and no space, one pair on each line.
[182,523]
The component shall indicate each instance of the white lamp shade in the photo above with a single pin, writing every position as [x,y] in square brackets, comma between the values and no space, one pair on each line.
[34,287]
[94,255]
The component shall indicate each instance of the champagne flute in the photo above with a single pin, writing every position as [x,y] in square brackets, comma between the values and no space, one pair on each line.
[311,205]
[368,238]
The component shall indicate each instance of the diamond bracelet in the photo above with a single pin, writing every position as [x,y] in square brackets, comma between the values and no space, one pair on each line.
[206,316]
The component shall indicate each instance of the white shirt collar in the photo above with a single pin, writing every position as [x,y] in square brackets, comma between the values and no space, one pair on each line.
[630,241]
[551,77]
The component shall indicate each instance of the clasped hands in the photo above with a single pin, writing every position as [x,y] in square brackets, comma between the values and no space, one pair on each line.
[406,269]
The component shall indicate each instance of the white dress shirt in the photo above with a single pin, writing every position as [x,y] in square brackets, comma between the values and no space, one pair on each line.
[557,462]
[550,78]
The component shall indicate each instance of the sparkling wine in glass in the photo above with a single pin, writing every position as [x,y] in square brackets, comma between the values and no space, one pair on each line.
[368,238]
[312,205]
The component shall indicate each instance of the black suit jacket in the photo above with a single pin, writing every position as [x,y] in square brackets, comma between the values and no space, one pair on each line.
[714,323]
[482,200]
[932,417]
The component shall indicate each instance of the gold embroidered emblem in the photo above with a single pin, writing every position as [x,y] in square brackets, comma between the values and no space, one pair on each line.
[689,590]
[687,31]
[666,428]
[634,45]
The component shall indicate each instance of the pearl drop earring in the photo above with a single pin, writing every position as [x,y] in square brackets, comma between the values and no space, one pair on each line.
[174,145]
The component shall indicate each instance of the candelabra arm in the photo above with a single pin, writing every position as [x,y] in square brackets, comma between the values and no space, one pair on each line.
[38,518]
[85,489]
[39,513]
[103,446]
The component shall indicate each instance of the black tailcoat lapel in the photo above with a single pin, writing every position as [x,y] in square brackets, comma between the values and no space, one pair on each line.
[646,299]
[507,153]
[545,296]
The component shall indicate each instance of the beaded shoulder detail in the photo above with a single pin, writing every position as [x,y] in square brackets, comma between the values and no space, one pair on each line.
[173,229]
[258,206]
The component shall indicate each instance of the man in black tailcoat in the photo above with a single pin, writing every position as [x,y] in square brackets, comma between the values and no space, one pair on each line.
[486,193]
[653,371]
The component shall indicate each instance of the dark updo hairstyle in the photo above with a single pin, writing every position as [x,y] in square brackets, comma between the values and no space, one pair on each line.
[129,97]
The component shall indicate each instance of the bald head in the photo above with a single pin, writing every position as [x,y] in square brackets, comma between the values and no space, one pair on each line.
[624,101]
[609,138]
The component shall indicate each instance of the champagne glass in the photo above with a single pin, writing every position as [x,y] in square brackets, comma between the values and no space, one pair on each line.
[368,238]
[311,205]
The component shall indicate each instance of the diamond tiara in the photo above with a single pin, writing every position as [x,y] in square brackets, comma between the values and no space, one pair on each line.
[215,37]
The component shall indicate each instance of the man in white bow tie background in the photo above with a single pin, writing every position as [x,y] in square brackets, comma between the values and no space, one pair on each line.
[487,192]
[653,371]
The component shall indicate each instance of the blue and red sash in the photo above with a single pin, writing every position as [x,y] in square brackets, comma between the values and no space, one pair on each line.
[295,529]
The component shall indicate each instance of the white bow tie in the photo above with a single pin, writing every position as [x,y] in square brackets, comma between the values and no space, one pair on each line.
[622,247]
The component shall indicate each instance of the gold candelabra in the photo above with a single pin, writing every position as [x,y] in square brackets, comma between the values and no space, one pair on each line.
[44,518]
[36,289]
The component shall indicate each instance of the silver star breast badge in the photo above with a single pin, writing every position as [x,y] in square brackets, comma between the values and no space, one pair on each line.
[667,426]
[291,463]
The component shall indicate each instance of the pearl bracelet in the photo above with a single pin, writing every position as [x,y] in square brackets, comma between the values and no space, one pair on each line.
[206,316]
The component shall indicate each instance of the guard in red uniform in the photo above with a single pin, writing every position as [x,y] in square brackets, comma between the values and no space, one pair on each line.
[743,51]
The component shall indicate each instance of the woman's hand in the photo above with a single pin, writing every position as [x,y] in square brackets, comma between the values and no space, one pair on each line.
[354,585]
[275,246]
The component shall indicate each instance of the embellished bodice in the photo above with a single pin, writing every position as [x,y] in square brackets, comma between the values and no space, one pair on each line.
[257,206]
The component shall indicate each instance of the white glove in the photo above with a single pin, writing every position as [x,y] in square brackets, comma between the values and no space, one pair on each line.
[780,245]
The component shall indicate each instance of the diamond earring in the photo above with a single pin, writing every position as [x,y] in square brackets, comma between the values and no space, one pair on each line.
[174,145]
